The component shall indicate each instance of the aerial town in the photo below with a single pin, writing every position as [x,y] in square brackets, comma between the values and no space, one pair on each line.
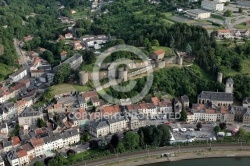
[55,111]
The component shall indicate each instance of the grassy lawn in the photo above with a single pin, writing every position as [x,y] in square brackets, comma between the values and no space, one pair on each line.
[241,26]
[5,71]
[81,88]
[66,88]
[167,49]
[87,67]
[218,17]
[81,13]
[86,154]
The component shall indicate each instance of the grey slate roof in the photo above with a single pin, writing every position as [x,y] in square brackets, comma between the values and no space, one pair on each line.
[115,119]
[99,125]
[246,100]
[69,133]
[230,81]
[12,155]
[239,110]
[30,112]
[185,98]
[7,143]
[51,137]
[25,137]
[216,96]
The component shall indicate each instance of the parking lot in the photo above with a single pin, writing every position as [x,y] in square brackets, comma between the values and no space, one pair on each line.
[205,134]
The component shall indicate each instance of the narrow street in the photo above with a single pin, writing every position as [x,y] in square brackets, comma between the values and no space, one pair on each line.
[22,57]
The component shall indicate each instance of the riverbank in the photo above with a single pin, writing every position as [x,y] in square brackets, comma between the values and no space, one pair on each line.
[182,156]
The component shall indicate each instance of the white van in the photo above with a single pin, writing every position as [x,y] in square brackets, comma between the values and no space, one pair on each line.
[175,129]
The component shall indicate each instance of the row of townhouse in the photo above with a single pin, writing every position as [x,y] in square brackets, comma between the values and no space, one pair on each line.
[114,124]
[208,113]
[229,34]
[14,91]
[34,147]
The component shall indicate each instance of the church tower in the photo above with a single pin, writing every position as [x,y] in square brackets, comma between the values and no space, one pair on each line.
[229,85]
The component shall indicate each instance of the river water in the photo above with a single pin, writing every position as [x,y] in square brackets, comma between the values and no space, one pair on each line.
[208,162]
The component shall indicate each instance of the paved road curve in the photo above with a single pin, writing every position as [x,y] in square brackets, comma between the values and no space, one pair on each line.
[159,151]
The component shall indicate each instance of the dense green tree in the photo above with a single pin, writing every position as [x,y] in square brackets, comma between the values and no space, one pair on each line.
[165,137]
[48,55]
[38,163]
[155,42]
[102,143]
[199,125]
[58,160]
[217,129]
[228,13]
[223,126]
[115,140]
[141,136]
[40,123]
[120,147]
[86,137]
[240,10]
[241,133]
[131,140]
[183,115]
[62,74]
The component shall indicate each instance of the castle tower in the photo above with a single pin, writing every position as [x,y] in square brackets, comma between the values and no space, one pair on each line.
[180,60]
[83,77]
[229,85]
[219,77]
[123,74]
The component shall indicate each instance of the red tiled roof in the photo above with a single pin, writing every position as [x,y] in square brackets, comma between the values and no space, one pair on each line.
[21,102]
[17,87]
[90,94]
[37,142]
[223,30]
[223,110]
[94,99]
[133,107]
[159,52]
[25,81]
[198,106]
[37,71]
[15,140]
[22,153]
[143,106]
[210,111]
[63,53]
[111,109]
[27,147]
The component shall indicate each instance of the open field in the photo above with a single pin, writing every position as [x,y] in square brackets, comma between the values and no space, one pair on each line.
[66,88]
[241,26]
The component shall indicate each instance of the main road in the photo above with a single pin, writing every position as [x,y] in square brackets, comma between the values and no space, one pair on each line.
[159,151]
